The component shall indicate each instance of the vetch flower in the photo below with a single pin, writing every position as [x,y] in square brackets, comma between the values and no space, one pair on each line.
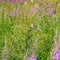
[1,0]
[56,50]
[21,1]
[15,13]
[34,9]
[47,12]
[55,55]
[11,0]
[31,58]
[50,11]
[17,0]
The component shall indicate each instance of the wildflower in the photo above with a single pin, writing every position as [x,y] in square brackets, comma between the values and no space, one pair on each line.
[16,12]
[47,12]
[1,0]
[32,58]
[56,55]
[34,9]
[50,5]
[50,11]
[17,0]
[11,0]
[56,50]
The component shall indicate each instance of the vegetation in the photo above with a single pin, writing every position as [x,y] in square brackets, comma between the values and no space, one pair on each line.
[22,23]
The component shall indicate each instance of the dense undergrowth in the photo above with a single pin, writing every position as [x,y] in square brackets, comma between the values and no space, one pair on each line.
[23,28]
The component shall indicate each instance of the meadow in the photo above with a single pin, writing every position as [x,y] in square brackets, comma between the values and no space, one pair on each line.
[28,29]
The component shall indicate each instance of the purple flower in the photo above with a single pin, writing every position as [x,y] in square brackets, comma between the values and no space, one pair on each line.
[56,55]
[14,13]
[32,58]
[50,11]
[19,1]
[34,9]
[47,12]
[55,52]
[22,1]
[1,0]
[11,0]
[51,4]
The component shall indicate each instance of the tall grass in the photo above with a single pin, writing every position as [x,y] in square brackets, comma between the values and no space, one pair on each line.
[22,29]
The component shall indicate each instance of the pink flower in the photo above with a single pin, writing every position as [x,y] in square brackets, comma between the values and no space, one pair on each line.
[50,12]
[1,0]
[34,9]
[56,55]
[11,0]
[19,1]
[32,58]
[16,12]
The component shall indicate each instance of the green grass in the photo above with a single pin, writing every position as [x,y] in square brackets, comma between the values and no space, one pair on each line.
[18,31]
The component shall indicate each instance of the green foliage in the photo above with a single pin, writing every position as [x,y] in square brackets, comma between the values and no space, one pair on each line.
[20,34]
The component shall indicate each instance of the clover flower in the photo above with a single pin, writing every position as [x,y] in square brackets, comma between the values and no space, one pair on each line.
[51,11]
[18,0]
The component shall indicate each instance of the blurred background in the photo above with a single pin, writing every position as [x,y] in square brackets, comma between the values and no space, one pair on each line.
[27,28]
